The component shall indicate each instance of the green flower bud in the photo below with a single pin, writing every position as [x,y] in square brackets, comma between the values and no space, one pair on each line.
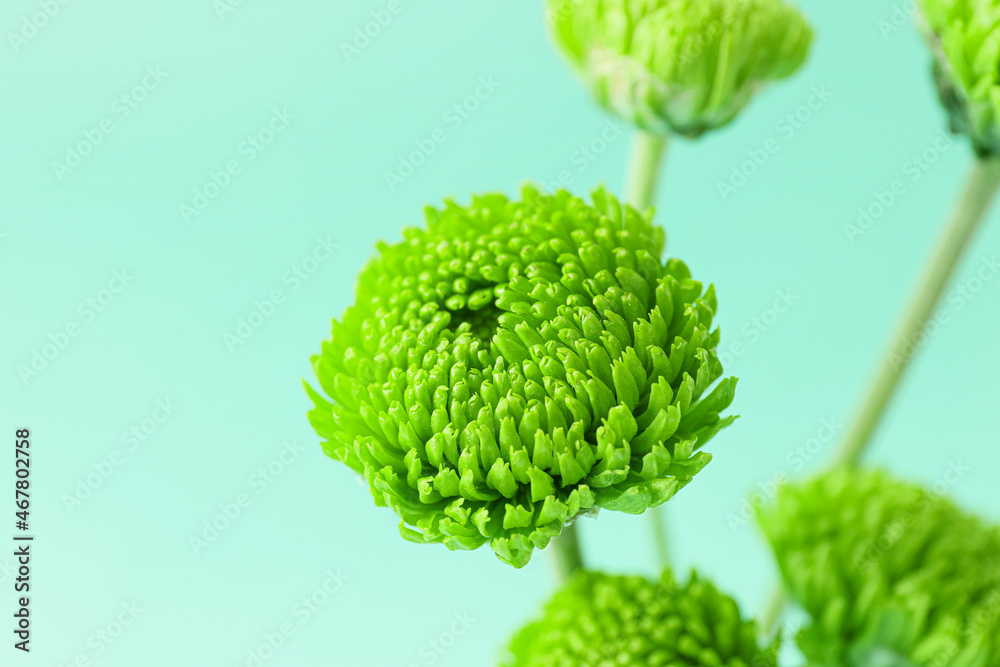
[599,620]
[516,364]
[963,36]
[677,66]
[891,573]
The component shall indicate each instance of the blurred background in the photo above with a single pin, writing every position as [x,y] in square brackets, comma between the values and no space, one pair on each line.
[187,192]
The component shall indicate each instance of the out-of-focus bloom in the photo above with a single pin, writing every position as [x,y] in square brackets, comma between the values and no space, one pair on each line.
[965,38]
[599,620]
[677,66]
[515,364]
[888,571]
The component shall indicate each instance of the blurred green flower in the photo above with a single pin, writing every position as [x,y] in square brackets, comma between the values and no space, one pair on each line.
[891,574]
[677,66]
[965,38]
[516,364]
[599,620]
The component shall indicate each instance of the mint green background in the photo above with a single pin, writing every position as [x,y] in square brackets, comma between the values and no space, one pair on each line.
[162,337]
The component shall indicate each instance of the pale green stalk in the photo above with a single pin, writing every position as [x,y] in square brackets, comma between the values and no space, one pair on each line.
[640,186]
[644,168]
[980,191]
[567,553]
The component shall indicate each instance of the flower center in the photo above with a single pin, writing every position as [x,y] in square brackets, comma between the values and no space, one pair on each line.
[482,322]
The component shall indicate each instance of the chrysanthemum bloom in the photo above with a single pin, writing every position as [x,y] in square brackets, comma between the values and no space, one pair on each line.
[963,36]
[890,573]
[516,364]
[599,620]
[676,66]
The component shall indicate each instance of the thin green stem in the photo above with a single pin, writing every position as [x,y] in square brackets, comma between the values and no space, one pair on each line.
[567,553]
[772,612]
[979,193]
[644,163]
[658,518]
[644,168]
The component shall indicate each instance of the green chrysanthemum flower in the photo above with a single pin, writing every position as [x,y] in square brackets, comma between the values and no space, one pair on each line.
[965,38]
[676,66]
[891,574]
[599,620]
[516,364]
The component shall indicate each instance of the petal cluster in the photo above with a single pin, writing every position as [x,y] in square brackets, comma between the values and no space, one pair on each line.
[965,38]
[599,620]
[515,364]
[888,571]
[676,66]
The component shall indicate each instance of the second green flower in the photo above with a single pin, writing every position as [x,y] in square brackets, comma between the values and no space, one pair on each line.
[676,66]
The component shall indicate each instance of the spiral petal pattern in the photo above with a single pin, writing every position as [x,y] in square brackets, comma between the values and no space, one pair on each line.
[891,573]
[676,66]
[599,620]
[516,364]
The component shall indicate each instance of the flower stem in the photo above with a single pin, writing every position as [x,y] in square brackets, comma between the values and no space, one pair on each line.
[657,519]
[567,553]
[979,193]
[644,168]
[772,612]
[645,160]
